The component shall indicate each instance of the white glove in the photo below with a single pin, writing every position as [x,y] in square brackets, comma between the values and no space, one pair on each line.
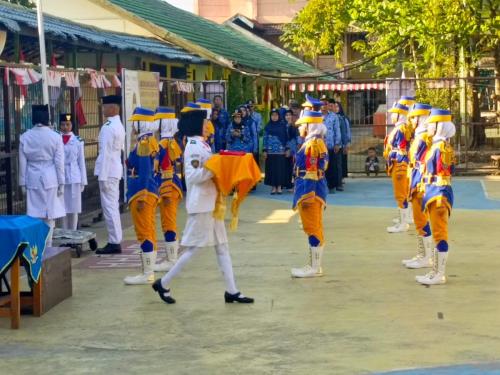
[82,188]
[23,190]
[60,190]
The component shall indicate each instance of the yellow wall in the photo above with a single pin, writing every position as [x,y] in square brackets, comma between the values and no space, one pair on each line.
[85,12]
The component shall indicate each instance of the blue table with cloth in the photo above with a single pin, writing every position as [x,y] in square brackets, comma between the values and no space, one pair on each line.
[22,241]
[23,236]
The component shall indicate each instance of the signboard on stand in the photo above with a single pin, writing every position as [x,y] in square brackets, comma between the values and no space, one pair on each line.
[139,88]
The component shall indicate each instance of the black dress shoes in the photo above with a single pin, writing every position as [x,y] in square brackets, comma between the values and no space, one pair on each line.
[110,248]
[162,292]
[237,297]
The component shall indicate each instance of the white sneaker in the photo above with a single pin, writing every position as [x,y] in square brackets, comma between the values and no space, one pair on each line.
[398,228]
[142,279]
[306,271]
[424,258]
[419,263]
[402,226]
[148,275]
[313,269]
[438,276]
[433,279]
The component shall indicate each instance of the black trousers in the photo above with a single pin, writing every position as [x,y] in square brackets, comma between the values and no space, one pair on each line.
[334,171]
[344,163]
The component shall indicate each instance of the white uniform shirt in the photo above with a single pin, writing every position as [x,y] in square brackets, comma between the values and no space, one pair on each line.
[111,144]
[74,161]
[41,158]
[201,191]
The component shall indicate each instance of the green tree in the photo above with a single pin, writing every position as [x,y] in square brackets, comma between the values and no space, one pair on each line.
[425,36]
[24,3]
[431,38]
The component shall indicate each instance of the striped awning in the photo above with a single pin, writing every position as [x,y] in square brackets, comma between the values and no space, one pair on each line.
[310,87]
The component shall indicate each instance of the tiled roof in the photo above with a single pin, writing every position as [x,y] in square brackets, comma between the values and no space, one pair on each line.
[246,53]
[14,17]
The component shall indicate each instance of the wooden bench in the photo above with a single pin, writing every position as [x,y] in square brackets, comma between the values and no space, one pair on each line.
[496,160]
[53,287]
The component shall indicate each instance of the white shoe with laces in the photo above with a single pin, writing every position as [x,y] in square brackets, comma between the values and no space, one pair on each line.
[424,258]
[313,269]
[148,275]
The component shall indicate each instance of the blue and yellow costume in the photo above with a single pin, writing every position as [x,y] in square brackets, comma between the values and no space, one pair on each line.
[396,147]
[169,180]
[438,193]
[311,189]
[417,154]
[142,190]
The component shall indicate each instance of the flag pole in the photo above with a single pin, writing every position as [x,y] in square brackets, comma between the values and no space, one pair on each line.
[43,57]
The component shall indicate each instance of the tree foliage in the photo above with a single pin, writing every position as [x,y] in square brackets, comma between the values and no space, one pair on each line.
[425,36]
[24,3]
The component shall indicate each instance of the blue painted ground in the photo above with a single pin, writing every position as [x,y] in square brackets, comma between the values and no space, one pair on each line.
[377,192]
[482,369]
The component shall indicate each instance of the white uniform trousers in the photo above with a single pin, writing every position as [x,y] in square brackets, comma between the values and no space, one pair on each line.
[110,202]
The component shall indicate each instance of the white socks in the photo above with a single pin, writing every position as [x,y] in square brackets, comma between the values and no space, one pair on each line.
[223,259]
[181,262]
[51,223]
[226,267]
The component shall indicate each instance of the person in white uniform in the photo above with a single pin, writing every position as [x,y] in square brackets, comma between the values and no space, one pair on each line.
[202,229]
[74,170]
[109,170]
[41,169]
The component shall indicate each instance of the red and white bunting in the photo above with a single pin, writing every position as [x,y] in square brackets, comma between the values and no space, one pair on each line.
[346,86]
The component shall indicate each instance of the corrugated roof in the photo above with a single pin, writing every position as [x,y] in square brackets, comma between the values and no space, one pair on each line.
[245,53]
[14,17]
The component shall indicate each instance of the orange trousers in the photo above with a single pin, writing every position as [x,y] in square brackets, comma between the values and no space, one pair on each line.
[420,217]
[438,215]
[144,219]
[168,212]
[400,183]
[311,214]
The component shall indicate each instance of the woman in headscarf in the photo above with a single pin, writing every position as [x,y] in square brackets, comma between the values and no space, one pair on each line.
[438,193]
[220,131]
[238,135]
[292,145]
[275,147]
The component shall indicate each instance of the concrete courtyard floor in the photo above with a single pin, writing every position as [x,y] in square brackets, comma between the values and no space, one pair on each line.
[366,315]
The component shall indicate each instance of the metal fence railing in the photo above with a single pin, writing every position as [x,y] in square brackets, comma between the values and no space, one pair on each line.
[472,101]
[15,118]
